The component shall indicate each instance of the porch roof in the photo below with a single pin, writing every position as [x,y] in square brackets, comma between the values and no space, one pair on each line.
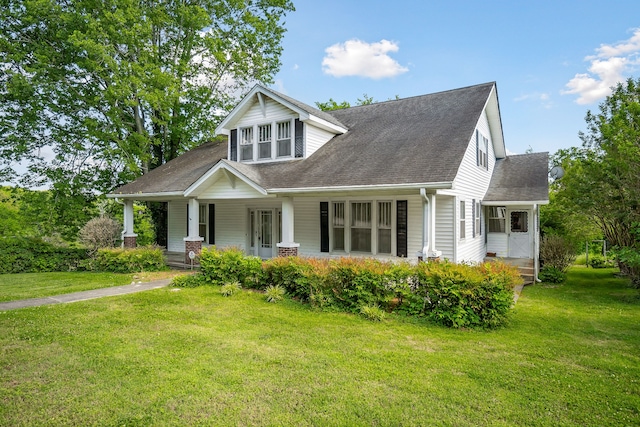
[520,178]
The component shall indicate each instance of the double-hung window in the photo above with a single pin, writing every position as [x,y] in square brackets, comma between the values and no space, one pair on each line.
[246,143]
[463,222]
[264,141]
[338,226]
[384,227]
[482,147]
[361,226]
[477,228]
[283,138]
[497,217]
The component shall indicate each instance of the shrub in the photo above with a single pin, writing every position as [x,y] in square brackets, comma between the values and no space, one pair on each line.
[359,281]
[274,293]
[551,275]
[99,232]
[189,281]
[230,288]
[134,260]
[598,261]
[556,252]
[301,278]
[629,262]
[373,312]
[34,255]
[230,265]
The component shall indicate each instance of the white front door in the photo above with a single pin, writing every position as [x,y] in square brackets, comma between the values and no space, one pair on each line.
[520,234]
[262,242]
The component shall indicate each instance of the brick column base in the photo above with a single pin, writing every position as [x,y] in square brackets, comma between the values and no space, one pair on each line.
[129,242]
[196,247]
[285,251]
[434,259]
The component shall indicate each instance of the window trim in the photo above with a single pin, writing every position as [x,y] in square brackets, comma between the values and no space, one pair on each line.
[278,139]
[334,226]
[268,142]
[478,218]
[368,204]
[380,226]
[491,217]
[482,151]
[244,142]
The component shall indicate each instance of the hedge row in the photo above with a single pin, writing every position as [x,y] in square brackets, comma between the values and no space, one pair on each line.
[32,255]
[455,295]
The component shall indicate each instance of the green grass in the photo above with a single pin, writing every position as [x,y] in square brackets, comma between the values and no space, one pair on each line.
[570,356]
[38,285]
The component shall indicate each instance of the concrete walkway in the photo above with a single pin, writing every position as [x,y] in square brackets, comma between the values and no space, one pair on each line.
[85,295]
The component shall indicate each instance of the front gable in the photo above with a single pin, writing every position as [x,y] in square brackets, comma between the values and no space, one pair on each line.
[268,126]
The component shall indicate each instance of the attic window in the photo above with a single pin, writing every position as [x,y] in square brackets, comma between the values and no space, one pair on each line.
[264,141]
[246,143]
[482,149]
[284,139]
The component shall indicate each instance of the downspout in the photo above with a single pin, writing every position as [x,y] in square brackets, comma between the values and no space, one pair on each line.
[425,224]
[536,243]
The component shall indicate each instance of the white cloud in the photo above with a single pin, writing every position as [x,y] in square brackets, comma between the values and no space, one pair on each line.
[358,58]
[609,66]
[542,98]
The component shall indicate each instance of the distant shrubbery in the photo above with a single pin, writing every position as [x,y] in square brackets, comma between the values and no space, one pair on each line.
[118,260]
[34,255]
[455,295]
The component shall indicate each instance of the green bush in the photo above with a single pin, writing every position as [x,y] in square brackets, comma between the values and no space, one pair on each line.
[274,293]
[450,294]
[230,265]
[134,260]
[629,262]
[557,252]
[551,275]
[34,255]
[230,288]
[373,312]
[189,281]
[598,261]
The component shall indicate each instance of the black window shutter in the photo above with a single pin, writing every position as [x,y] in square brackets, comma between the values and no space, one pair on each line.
[324,226]
[473,216]
[234,145]
[212,224]
[187,219]
[299,138]
[401,228]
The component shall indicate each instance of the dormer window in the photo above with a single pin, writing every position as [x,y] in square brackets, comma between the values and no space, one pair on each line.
[246,143]
[264,141]
[284,138]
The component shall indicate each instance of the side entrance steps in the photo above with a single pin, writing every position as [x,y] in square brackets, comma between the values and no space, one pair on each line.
[525,266]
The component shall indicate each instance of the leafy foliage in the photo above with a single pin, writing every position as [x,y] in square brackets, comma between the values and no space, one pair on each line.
[450,294]
[94,93]
[119,260]
[550,274]
[99,232]
[274,293]
[225,266]
[373,312]
[34,255]
[556,252]
[230,288]
[189,281]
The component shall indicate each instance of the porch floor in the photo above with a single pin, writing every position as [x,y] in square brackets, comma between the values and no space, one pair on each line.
[176,260]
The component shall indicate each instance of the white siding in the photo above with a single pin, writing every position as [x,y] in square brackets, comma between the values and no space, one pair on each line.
[414,225]
[307,225]
[315,138]
[274,112]
[498,243]
[177,225]
[232,223]
[445,226]
[222,189]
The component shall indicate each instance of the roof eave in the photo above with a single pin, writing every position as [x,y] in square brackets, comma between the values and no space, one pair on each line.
[445,185]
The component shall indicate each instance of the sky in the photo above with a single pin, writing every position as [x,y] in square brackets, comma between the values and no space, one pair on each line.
[552,61]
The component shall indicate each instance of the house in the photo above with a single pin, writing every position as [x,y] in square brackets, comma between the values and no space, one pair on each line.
[425,177]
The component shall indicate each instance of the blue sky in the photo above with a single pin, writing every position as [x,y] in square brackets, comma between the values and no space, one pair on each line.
[552,60]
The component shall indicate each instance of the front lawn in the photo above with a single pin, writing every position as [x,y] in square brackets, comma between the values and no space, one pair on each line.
[38,285]
[570,356]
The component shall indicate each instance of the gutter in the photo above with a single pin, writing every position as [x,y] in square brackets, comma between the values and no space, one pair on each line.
[421,187]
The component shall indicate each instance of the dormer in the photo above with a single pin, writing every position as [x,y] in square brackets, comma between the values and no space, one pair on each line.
[267,126]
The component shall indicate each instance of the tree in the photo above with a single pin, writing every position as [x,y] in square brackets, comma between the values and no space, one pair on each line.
[116,88]
[601,177]
[333,105]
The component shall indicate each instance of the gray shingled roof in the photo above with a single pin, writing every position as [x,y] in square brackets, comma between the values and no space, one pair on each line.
[520,178]
[309,109]
[179,173]
[415,140]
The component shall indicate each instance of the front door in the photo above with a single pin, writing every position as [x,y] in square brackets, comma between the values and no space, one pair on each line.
[262,243]
[519,234]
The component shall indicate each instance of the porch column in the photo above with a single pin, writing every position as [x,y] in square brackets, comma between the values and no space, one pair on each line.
[193,242]
[287,247]
[128,236]
[433,254]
